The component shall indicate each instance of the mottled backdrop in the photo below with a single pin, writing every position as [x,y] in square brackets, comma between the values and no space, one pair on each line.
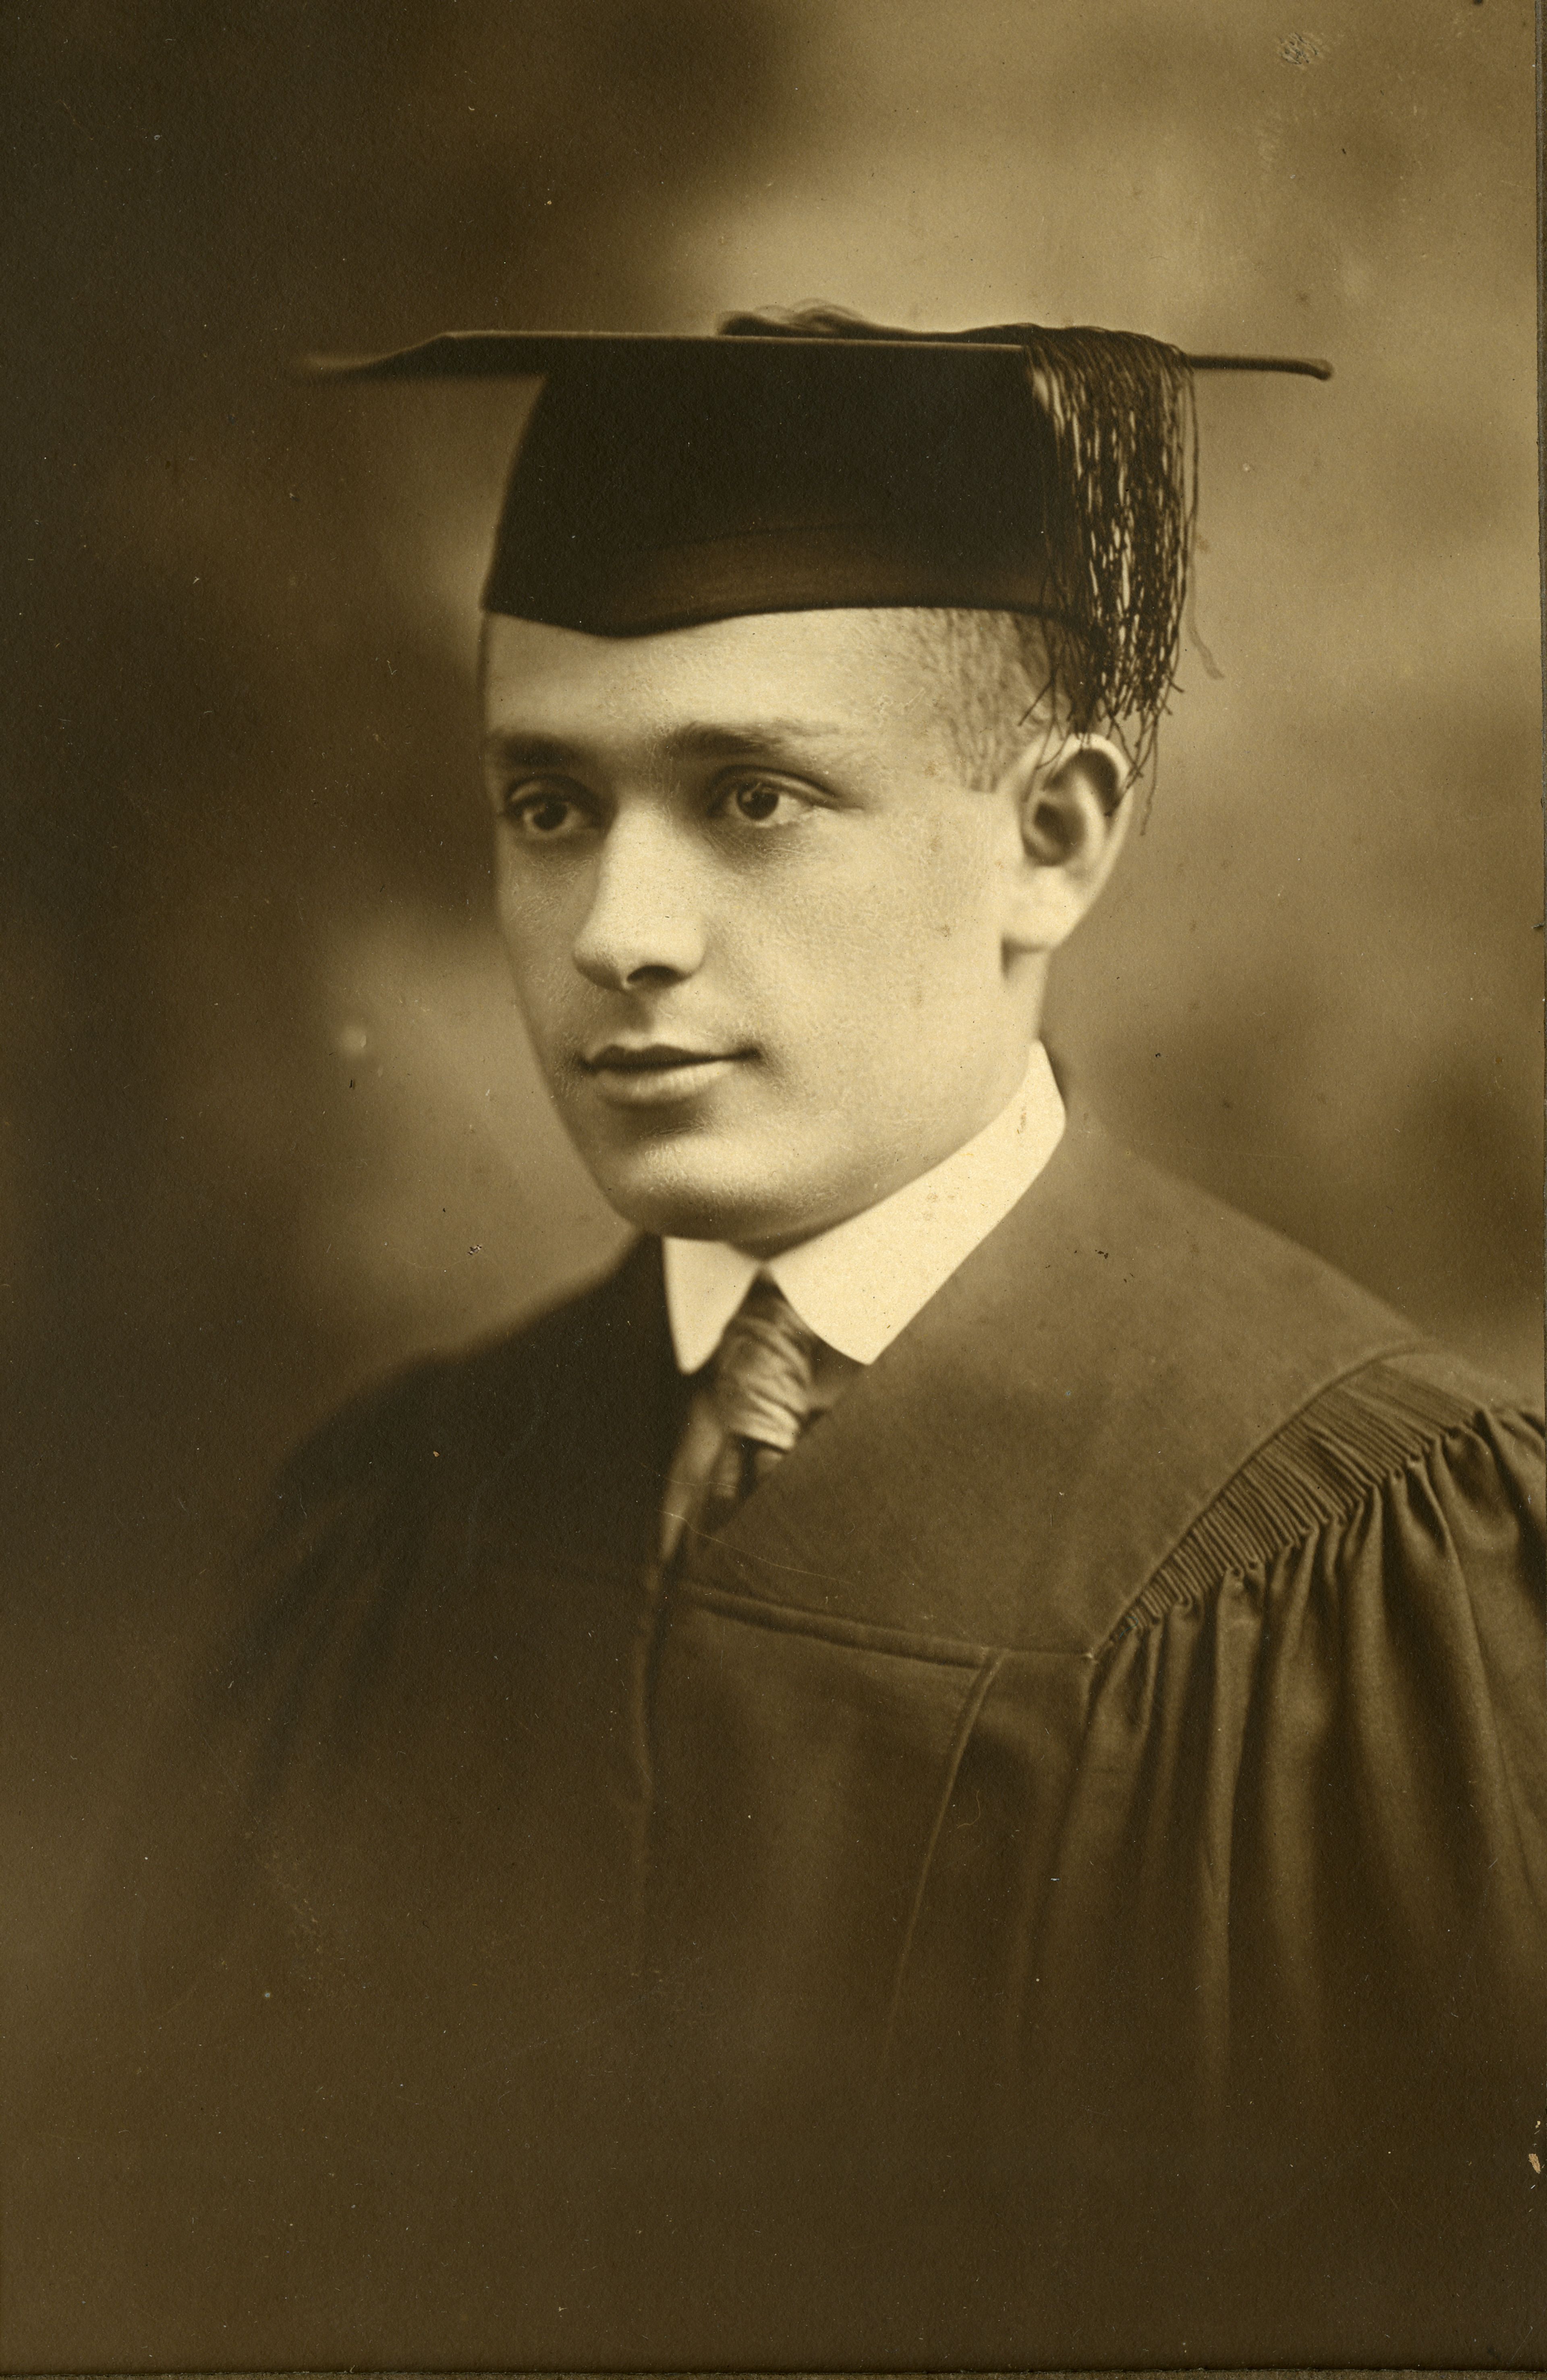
[268,1122]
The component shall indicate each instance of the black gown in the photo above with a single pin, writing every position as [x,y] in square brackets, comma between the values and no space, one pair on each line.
[1064,1884]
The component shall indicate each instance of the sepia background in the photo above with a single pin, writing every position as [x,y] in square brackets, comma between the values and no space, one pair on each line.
[268,1122]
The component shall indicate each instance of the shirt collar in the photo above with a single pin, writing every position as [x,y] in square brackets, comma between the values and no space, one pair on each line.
[860,1284]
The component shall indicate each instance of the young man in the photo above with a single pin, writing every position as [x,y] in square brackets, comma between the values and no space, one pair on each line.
[946,1768]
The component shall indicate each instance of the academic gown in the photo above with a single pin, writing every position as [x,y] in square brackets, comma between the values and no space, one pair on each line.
[1064,1883]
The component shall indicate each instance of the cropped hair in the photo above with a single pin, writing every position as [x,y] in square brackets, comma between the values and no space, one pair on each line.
[995,683]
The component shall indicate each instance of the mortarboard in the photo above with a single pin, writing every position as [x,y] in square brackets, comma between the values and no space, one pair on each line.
[812,460]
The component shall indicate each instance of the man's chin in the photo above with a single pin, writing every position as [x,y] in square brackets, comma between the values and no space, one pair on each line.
[680,1213]
[695,1192]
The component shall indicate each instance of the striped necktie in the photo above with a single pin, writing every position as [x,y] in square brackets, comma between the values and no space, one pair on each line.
[761,1394]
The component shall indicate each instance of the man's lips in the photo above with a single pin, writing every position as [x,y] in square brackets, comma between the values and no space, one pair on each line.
[650,1057]
[650,1074]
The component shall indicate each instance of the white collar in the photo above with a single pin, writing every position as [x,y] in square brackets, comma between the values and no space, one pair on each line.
[860,1284]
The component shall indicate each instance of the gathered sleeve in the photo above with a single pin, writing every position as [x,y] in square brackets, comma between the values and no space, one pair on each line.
[1277,1849]
[1256,1888]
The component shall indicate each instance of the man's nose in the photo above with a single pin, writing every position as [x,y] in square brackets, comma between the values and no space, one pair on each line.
[644,922]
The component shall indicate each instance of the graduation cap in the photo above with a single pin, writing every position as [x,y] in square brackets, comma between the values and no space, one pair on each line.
[813,460]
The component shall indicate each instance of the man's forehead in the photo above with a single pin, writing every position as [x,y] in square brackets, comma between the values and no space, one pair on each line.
[821,676]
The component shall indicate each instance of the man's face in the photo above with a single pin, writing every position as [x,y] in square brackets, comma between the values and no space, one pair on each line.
[755,917]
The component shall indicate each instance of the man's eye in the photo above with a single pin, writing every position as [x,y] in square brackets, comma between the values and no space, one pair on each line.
[757,801]
[544,814]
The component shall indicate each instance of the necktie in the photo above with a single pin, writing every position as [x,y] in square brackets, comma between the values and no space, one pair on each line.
[761,1396]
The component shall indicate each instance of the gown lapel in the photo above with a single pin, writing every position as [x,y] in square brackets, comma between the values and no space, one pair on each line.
[1017,1465]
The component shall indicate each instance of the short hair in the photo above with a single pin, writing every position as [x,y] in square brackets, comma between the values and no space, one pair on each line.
[994,680]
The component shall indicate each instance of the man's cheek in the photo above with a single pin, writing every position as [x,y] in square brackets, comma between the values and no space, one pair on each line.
[547,987]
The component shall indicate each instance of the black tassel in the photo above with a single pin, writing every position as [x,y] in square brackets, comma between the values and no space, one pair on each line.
[1124,508]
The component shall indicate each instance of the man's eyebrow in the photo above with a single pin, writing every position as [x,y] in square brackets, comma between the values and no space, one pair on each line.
[516,751]
[698,740]
[745,740]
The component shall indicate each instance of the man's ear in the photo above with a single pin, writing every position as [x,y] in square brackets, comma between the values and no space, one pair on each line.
[1070,816]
